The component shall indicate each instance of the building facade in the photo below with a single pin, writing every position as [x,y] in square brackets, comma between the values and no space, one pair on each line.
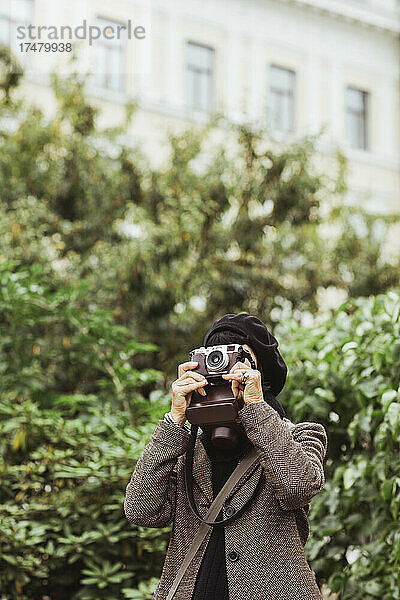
[300,66]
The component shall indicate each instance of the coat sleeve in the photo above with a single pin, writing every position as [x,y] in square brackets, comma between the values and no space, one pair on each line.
[292,460]
[151,491]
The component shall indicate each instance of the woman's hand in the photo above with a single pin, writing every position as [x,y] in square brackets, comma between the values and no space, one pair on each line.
[252,388]
[182,390]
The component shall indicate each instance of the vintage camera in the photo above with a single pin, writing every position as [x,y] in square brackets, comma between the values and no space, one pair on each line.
[219,409]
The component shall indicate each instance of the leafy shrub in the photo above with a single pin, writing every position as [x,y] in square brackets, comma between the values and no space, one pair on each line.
[73,419]
[344,372]
[231,220]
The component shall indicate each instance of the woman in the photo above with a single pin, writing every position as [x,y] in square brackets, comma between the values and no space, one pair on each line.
[260,555]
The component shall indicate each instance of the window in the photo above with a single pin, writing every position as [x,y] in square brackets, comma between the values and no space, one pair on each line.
[110,56]
[12,14]
[281,104]
[357,118]
[199,77]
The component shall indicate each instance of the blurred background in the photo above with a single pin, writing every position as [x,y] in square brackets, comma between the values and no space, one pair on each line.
[300,66]
[163,164]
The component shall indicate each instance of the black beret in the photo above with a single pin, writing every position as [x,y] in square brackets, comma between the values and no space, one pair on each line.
[269,360]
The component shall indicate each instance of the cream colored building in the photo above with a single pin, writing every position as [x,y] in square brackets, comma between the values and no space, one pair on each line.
[299,65]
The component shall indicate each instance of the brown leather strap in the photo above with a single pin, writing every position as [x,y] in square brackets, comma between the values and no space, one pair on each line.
[212,513]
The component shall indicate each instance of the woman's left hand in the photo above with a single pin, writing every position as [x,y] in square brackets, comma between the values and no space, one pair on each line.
[252,388]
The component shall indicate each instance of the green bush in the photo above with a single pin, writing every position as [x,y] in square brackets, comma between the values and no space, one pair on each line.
[73,419]
[344,372]
[75,414]
[220,226]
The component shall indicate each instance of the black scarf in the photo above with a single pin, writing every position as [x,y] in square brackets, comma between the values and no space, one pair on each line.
[211,582]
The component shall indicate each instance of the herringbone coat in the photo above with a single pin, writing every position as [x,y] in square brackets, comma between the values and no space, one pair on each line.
[265,557]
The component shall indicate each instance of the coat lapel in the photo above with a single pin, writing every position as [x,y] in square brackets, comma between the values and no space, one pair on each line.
[244,488]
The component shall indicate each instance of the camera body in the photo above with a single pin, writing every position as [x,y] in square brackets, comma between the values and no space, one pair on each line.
[219,407]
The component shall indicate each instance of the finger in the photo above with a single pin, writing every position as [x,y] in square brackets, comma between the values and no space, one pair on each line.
[246,360]
[235,388]
[189,382]
[184,388]
[192,375]
[200,383]
[190,364]
[233,376]
[239,365]
[200,387]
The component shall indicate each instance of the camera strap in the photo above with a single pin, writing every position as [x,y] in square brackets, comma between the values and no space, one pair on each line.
[241,468]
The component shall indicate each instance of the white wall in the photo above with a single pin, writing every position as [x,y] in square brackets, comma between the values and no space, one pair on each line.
[329,43]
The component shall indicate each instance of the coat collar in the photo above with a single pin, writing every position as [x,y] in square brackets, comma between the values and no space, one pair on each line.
[202,474]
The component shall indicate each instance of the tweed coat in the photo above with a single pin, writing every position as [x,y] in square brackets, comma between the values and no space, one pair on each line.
[264,546]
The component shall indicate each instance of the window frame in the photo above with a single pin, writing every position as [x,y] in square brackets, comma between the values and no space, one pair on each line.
[274,91]
[207,73]
[362,116]
[100,78]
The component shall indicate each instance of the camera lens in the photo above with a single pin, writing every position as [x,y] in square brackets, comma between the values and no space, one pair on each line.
[216,360]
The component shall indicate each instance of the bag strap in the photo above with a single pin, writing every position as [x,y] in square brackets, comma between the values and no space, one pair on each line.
[212,512]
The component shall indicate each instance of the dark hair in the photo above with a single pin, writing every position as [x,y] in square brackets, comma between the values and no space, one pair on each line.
[231,337]
[228,337]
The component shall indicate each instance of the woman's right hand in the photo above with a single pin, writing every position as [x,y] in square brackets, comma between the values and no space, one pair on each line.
[182,390]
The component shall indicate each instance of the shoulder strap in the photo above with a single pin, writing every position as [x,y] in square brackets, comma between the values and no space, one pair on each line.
[211,514]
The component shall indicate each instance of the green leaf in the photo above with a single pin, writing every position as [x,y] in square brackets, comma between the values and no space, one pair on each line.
[350,475]
[393,414]
[387,488]
[387,398]
[326,394]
